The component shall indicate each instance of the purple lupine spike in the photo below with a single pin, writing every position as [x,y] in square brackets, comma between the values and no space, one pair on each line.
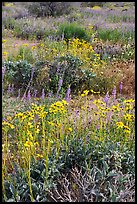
[68,96]
[18,94]
[35,93]
[121,87]
[24,96]
[49,94]
[9,89]
[29,95]
[12,88]
[114,92]
[43,94]
[3,74]
[106,99]
[60,84]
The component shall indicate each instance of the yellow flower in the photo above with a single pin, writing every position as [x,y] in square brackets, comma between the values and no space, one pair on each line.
[51,123]
[5,53]
[129,117]
[33,47]
[28,144]
[85,93]
[39,156]
[64,102]
[70,129]
[115,108]
[26,44]
[36,144]
[127,129]
[120,124]
[4,41]
[8,124]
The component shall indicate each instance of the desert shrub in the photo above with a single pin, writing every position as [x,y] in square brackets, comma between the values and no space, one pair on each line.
[68,68]
[8,23]
[115,35]
[41,9]
[91,4]
[32,29]
[18,73]
[72,30]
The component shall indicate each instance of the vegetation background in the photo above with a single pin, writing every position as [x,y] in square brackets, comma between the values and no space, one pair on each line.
[68,93]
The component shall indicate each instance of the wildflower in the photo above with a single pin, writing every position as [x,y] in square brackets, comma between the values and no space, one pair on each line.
[18,94]
[5,53]
[8,124]
[70,129]
[39,156]
[120,124]
[29,95]
[33,47]
[121,87]
[127,129]
[28,144]
[106,99]
[85,93]
[64,102]
[43,94]
[60,84]
[68,96]
[26,44]
[35,93]
[114,93]
[4,41]
[129,117]
[116,108]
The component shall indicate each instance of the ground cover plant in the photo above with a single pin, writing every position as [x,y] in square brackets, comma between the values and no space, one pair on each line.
[68,105]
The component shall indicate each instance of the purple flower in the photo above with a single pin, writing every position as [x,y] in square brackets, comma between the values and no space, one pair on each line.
[18,93]
[24,95]
[9,89]
[106,99]
[35,93]
[59,86]
[114,92]
[43,94]
[29,95]
[68,96]
[121,87]
[3,72]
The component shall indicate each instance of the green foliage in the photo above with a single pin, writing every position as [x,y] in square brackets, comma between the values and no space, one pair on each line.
[69,69]
[41,9]
[72,30]
[18,73]
[8,23]
[115,35]
[91,4]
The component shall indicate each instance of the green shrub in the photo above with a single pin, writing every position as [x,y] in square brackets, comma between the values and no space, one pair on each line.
[41,9]
[72,30]
[68,68]
[115,35]
[8,23]
[18,73]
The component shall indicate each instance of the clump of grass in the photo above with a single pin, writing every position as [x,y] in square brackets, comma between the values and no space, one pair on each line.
[72,30]
[115,35]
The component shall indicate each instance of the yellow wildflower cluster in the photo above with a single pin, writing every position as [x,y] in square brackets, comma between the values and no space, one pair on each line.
[7,124]
[58,107]
[124,127]
[85,93]
[85,52]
